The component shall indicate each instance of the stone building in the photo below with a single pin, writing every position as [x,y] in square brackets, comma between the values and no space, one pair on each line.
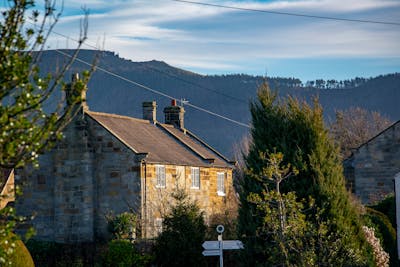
[372,167]
[109,164]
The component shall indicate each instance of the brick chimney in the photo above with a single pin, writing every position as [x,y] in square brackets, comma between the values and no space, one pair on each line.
[150,111]
[174,115]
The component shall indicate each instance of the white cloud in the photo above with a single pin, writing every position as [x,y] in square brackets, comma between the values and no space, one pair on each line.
[196,36]
[319,5]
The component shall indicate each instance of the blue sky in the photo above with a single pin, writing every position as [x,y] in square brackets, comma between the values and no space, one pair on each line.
[211,40]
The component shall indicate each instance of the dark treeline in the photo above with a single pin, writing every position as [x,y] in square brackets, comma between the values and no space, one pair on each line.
[227,95]
[335,84]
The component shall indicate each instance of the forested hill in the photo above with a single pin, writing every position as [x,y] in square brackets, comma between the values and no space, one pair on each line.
[227,95]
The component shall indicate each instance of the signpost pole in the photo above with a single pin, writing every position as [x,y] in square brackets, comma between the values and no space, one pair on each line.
[221,258]
[220,230]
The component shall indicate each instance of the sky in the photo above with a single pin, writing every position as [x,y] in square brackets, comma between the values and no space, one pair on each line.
[215,40]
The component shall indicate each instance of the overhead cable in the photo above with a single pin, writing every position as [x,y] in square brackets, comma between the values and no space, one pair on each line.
[163,72]
[155,91]
[288,13]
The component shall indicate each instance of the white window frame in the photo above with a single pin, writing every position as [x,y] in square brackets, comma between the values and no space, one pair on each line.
[195,175]
[221,183]
[160,176]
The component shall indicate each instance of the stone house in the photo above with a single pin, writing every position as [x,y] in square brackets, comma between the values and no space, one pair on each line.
[372,167]
[109,164]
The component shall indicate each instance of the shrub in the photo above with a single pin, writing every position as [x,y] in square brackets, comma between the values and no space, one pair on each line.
[122,253]
[183,234]
[385,231]
[122,226]
[21,256]
[388,207]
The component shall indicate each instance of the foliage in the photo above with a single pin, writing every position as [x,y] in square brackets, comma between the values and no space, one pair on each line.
[384,230]
[183,234]
[381,257]
[284,228]
[9,242]
[355,126]
[21,257]
[26,130]
[388,207]
[18,254]
[122,253]
[228,219]
[297,131]
[123,226]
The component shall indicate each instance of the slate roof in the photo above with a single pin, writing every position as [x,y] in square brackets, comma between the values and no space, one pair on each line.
[162,143]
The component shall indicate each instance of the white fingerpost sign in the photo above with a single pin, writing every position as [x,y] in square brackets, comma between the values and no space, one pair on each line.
[215,248]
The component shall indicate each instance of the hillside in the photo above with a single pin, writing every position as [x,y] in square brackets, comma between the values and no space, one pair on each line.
[227,95]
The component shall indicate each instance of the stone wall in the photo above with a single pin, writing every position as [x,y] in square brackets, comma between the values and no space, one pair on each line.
[116,173]
[159,200]
[89,174]
[375,165]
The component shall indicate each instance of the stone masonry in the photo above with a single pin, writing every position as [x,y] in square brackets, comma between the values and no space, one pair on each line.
[97,170]
[372,167]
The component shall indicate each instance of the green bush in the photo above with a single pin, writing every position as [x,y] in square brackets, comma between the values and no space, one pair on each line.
[388,207]
[20,257]
[51,254]
[179,244]
[122,253]
[385,232]
[122,226]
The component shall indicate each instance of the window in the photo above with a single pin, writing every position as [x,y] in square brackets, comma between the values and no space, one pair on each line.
[160,175]
[195,174]
[221,183]
[158,225]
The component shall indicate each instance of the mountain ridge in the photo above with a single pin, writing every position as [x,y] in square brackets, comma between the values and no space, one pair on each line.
[227,95]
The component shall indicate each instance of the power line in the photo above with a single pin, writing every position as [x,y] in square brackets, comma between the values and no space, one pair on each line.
[155,91]
[194,84]
[288,13]
[163,72]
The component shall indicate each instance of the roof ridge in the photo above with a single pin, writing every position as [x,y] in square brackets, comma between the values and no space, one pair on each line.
[377,135]
[117,116]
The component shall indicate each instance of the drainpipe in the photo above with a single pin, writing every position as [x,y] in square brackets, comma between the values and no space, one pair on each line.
[144,188]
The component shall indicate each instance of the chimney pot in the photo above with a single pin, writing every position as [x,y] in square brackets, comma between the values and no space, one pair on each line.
[174,115]
[173,102]
[150,111]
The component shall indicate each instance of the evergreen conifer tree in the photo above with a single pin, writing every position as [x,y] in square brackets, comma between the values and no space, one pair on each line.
[297,131]
[179,244]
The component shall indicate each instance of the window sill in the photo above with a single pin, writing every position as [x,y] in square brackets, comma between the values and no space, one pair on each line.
[221,194]
[195,188]
[160,186]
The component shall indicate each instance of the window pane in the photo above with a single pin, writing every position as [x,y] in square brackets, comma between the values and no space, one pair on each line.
[221,183]
[195,175]
[160,175]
